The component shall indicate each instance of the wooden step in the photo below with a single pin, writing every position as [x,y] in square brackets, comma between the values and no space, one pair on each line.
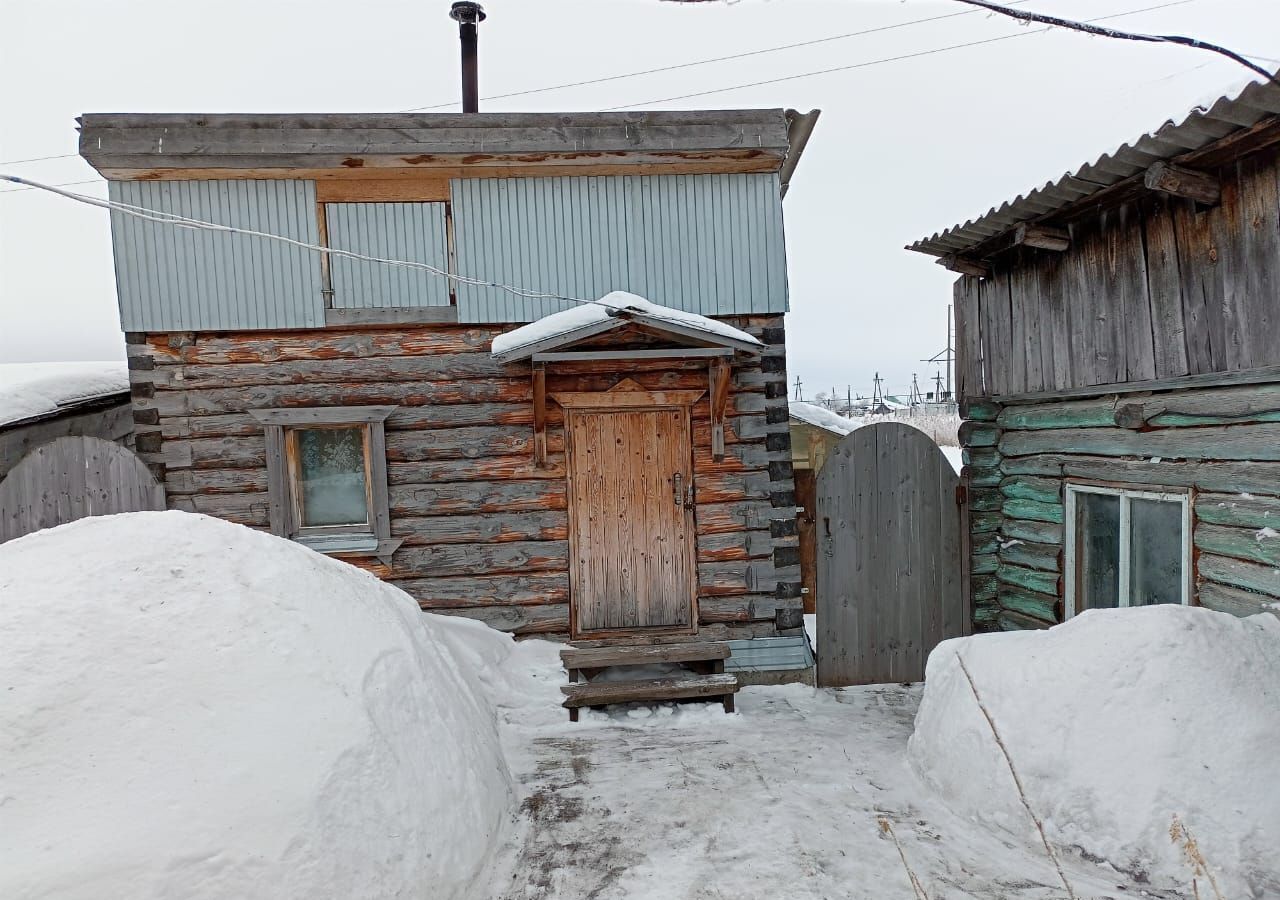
[682,687]
[642,654]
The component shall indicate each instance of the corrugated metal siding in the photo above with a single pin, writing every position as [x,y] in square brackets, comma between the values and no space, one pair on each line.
[409,231]
[182,279]
[710,244]
[769,654]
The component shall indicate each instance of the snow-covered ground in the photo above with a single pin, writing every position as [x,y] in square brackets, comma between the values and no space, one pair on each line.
[190,708]
[37,389]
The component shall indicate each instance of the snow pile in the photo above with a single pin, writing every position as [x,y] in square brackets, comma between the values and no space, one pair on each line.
[1116,722]
[192,708]
[28,390]
[586,314]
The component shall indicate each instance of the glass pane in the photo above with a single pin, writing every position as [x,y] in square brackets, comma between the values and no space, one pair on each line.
[331,476]
[1155,552]
[1098,549]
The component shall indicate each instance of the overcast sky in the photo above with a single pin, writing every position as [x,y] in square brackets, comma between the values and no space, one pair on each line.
[904,148]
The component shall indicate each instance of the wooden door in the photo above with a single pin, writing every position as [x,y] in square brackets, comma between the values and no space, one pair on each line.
[889,561]
[631,525]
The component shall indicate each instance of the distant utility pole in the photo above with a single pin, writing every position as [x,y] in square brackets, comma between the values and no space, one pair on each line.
[946,356]
[848,400]
[878,406]
[799,391]
[937,386]
[916,397]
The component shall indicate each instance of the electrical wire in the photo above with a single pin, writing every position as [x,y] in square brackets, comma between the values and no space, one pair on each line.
[18,162]
[887,59]
[32,186]
[714,59]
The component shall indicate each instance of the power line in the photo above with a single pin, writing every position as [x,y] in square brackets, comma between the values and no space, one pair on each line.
[1072,25]
[31,186]
[18,162]
[714,59]
[888,59]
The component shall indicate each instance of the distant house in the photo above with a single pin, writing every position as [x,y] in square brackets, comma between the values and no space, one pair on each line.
[1119,373]
[489,438]
[65,433]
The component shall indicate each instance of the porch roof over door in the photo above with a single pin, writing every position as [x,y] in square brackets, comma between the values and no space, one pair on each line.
[619,309]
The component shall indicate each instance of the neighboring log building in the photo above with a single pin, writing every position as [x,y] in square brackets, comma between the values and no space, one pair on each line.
[1119,370]
[361,408]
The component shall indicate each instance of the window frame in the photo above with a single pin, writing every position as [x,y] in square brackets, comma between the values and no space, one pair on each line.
[1126,493]
[280,427]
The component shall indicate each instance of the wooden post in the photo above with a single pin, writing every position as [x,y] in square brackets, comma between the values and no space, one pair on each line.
[540,416]
[1194,185]
[719,396]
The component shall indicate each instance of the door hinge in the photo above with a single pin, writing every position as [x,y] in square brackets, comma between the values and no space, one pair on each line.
[962,495]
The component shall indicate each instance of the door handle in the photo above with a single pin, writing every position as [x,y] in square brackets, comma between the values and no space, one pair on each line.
[677,481]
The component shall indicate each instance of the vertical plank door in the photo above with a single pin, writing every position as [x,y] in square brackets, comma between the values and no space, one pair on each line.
[631,538]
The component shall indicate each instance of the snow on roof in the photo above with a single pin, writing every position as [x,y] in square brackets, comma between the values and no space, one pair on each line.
[34,390]
[820,416]
[600,314]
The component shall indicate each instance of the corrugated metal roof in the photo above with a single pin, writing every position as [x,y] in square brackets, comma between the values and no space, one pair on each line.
[1203,126]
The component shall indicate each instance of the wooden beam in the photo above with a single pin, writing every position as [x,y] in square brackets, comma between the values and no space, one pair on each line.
[1189,183]
[382,190]
[615,355]
[718,373]
[1042,237]
[964,266]
[392,315]
[540,416]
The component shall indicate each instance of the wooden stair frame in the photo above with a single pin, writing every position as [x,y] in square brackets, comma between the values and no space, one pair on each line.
[706,659]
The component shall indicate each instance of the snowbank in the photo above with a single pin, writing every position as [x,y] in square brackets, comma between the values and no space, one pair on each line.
[28,390]
[822,417]
[585,314]
[192,708]
[1117,721]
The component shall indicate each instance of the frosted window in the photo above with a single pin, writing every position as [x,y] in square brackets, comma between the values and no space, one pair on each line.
[1155,552]
[1098,542]
[331,476]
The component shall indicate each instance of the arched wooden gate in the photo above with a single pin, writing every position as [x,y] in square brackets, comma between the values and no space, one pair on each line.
[889,560]
[70,478]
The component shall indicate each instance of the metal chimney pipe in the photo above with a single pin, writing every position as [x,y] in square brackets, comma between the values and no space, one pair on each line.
[468,15]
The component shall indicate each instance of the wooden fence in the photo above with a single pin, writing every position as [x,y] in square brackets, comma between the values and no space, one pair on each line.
[70,478]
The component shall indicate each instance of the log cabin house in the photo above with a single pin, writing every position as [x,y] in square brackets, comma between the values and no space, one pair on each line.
[1118,341]
[488,440]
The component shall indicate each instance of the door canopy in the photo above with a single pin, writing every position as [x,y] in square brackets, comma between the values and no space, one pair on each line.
[563,329]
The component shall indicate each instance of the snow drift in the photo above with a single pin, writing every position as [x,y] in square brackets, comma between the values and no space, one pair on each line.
[191,708]
[1116,722]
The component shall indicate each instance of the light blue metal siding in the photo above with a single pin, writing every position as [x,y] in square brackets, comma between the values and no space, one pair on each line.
[769,654]
[182,279]
[711,244]
[408,231]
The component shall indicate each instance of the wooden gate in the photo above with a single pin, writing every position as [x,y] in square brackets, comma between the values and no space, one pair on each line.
[889,556]
[70,478]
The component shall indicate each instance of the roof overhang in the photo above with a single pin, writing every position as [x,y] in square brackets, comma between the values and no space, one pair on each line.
[176,146]
[1239,123]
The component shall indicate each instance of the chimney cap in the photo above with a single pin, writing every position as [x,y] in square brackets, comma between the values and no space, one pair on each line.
[467,12]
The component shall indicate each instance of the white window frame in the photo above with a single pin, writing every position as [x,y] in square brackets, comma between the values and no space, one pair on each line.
[1126,495]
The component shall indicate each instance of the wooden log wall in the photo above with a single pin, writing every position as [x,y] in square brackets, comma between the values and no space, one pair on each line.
[1223,443]
[1158,287]
[485,531]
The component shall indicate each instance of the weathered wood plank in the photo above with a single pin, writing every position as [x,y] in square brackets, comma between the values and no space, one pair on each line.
[1041,606]
[1033,510]
[1031,487]
[480,529]
[592,693]
[466,498]
[1239,442]
[525,589]
[632,655]
[1239,543]
[1032,532]
[518,620]
[1164,291]
[1244,510]
[1251,576]
[1235,601]
[472,559]
[1208,475]
[1028,554]
[1028,579]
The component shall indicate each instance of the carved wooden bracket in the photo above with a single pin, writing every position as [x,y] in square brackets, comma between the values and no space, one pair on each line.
[540,416]
[718,376]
